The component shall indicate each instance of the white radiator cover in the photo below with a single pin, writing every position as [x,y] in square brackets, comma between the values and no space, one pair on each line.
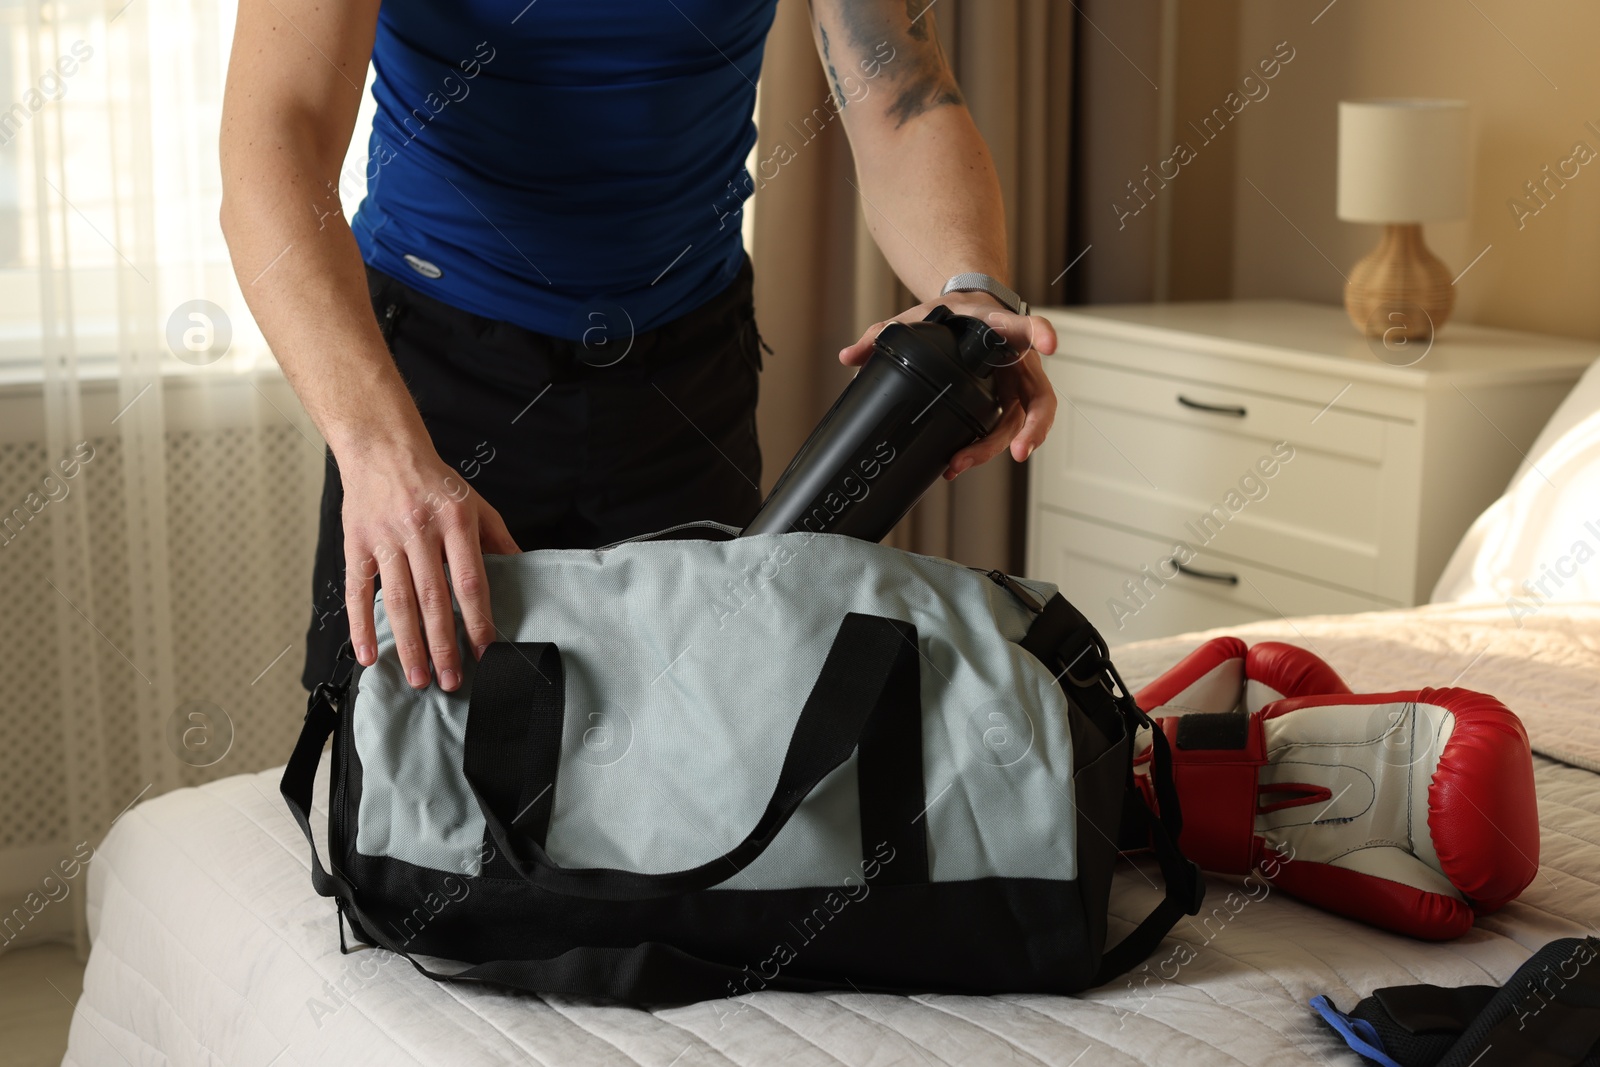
[243,474]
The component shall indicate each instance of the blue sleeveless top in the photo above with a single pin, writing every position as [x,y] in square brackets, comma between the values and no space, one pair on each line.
[535,161]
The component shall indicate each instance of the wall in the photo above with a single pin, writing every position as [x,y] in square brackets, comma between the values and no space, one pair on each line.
[1530,74]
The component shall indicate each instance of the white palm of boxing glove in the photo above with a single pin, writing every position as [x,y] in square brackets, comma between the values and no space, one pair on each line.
[1226,675]
[1413,811]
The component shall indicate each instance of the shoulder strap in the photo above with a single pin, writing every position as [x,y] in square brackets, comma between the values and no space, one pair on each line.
[299,776]
[1186,886]
[1065,641]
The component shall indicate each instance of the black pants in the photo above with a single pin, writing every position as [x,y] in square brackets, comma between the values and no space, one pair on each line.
[575,443]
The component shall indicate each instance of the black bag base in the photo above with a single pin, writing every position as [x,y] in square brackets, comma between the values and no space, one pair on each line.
[1013,935]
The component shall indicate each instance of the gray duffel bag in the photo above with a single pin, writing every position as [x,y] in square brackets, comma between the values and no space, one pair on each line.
[699,768]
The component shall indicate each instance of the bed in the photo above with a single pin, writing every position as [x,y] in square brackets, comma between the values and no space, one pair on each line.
[209,946]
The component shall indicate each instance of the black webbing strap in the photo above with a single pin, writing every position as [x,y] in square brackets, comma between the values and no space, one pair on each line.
[651,971]
[871,670]
[518,717]
[1068,643]
[891,791]
[1063,636]
[301,772]
[1186,887]
[517,711]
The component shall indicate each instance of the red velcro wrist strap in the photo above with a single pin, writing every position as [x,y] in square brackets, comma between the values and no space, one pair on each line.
[1217,788]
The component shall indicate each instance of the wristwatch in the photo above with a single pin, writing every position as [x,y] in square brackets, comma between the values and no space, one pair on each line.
[973,282]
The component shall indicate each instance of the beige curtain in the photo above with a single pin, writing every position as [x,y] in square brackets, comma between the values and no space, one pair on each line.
[820,280]
[158,482]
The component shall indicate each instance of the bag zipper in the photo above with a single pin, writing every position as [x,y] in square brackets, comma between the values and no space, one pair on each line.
[1016,589]
[1025,596]
[700,524]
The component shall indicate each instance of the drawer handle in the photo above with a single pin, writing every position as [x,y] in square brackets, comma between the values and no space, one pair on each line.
[1236,410]
[1221,577]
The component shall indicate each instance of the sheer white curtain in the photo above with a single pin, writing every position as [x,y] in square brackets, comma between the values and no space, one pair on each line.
[158,482]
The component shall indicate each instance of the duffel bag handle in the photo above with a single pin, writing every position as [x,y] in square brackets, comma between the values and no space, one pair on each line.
[869,687]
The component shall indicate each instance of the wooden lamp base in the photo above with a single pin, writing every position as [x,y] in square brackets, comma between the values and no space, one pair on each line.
[1400,290]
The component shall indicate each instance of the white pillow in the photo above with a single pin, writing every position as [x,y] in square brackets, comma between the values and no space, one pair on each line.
[1540,542]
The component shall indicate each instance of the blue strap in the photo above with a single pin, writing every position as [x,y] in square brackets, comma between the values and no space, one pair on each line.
[1357,1033]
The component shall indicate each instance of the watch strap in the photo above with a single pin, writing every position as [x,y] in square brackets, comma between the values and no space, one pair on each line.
[974,282]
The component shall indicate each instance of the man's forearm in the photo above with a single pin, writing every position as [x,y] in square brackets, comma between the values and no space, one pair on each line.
[932,200]
[301,273]
[927,182]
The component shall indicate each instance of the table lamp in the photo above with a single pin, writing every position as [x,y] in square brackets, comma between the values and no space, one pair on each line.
[1401,163]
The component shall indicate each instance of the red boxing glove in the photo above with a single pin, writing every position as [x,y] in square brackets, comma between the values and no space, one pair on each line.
[1413,811]
[1226,675]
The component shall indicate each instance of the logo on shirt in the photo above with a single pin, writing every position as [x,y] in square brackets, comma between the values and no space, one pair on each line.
[422,266]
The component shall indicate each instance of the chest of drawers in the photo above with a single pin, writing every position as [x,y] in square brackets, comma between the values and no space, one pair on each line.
[1218,463]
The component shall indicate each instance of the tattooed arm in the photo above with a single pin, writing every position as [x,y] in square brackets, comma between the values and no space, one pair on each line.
[929,191]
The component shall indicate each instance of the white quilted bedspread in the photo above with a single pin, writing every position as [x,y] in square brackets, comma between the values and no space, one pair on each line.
[210,948]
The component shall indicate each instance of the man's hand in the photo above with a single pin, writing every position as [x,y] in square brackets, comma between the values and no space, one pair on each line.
[1030,402]
[406,517]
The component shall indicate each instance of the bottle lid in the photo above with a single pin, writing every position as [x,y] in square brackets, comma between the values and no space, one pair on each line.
[955,356]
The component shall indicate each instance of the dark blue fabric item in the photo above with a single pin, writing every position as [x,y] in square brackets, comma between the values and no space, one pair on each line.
[1546,1015]
[544,162]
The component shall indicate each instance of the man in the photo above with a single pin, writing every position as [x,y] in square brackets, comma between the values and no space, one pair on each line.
[560,348]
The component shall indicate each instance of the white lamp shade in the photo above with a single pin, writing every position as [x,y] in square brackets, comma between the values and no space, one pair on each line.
[1403,160]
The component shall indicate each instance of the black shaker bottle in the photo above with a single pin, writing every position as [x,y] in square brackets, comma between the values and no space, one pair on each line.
[923,395]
